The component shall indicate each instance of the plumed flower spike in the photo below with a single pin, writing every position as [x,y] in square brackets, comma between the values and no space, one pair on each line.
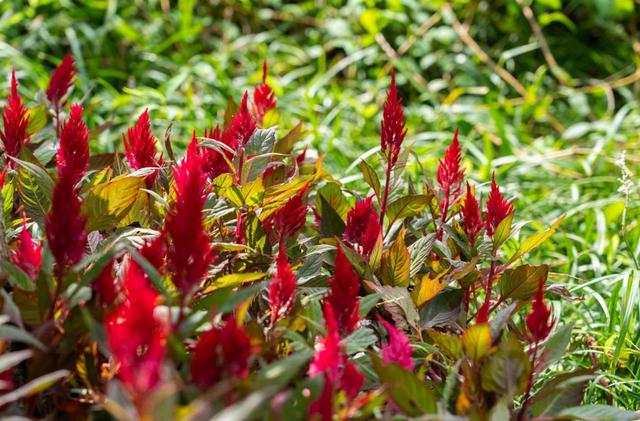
[539,320]
[282,290]
[393,129]
[140,145]
[15,119]
[343,294]
[263,97]
[241,127]
[471,216]
[398,349]
[450,174]
[363,227]
[73,152]
[65,224]
[285,223]
[328,356]
[28,253]
[220,352]
[189,249]
[498,208]
[135,337]
[61,80]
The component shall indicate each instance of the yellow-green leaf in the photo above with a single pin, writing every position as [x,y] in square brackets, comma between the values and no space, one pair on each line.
[535,241]
[502,232]
[108,203]
[37,119]
[406,206]
[235,279]
[522,282]
[476,341]
[396,263]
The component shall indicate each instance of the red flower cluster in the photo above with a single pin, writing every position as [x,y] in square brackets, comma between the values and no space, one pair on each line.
[343,295]
[15,119]
[28,253]
[393,129]
[105,286]
[471,216]
[263,97]
[241,127]
[363,227]
[450,175]
[539,320]
[398,349]
[65,224]
[287,221]
[189,249]
[61,81]
[135,336]
[140,146]
[498,208]
[219,352]
[282,290]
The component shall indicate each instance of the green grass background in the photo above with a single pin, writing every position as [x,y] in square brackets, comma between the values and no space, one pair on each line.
[545,94]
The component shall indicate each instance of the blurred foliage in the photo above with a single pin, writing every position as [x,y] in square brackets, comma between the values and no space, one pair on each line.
[544,92]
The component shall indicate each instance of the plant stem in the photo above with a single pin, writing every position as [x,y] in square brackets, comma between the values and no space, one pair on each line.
[240,165]
[527,395]
[385,194]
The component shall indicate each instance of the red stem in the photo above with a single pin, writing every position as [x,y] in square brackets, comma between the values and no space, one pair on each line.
[527,396]
[240,165]
[385,195]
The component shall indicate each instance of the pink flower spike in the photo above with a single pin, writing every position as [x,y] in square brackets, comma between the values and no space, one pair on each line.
[15,118]
[343,295]
[28,253]
[363,227]
[328,356]
[398,349]
[140,146]
[471,216]
[393,129]
[282,290]
[498,208]
[263,97]
[539,320]
[61,80]
[449,174]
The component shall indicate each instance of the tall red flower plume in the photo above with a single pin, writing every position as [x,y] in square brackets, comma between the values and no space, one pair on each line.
[263,97]
[363,227]
[73,152]
[498,208]
[241,126]
[15,119]
[286,222]
[189,249]
[221,352]
[471,216]
[352,380]
[28,253]
[105,286]
[61,80]
[3,174]
[343,294]
[393,129]
[449,174]
[328,355]
[398,349]
[321,409]
[135,336]
[155,252]
[140,146]
[539,320]
[282,290]
[65,224]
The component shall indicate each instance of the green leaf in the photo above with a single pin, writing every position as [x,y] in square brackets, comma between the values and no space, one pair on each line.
[108,203]
[261,142]
[412,395]
[476,341]
[360,340]
[12,359]
[599,413]
[332,194]
[630,302]
[35,187]
[556,345]
[285,143]
[502,232]
[234,280]
[560,392]
[331,224]
[12,333]
[396,263]
[367,303]
[370,176]
[406,206]
[535,241]
[419,251]
[18,277]
[282,371]
[34,387]
[450,344]
[442,310]
[37,119]
[522,282]
[506,372]
[400,298]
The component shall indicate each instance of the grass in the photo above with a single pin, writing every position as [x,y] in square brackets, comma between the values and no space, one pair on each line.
[545,95]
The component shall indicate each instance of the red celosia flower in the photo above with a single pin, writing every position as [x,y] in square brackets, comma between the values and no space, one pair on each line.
[216,162]
[483,312]
[497,207]
[450,175]
[140,146]
[328,356]
[240,231]
[363,227]
[393,130]
[105,286]
[471,216]
[28,254]
[282,290]
[302,156]
[241,126]
[263,97]
[398,349]
[287,221]
[219,352]
[15,119]
[322,408]
[343,295]
[155,252]
[61,80]
[189,249]
[135,337]
[539,320]
[352,380]
[3,174]
[73,152]
[65,224]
